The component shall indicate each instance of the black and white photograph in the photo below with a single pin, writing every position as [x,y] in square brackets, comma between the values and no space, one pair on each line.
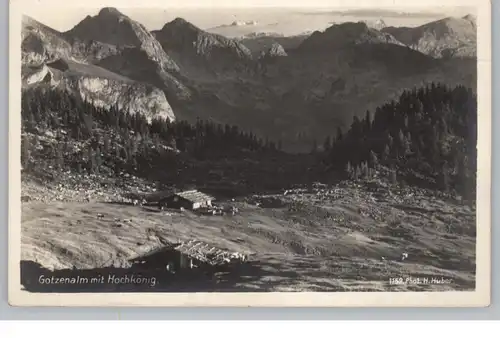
[247,149]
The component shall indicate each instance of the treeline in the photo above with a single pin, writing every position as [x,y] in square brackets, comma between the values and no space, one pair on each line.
[430,132]
[90,137]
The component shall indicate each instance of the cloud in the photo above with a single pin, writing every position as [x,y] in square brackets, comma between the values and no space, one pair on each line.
[365,12]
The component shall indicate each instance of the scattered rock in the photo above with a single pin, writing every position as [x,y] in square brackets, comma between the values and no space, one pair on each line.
[404,256]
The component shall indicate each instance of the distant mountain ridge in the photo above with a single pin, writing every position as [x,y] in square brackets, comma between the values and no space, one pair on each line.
[258,43]
[112,27]
[449,37]
[289,88]
[191,43]
[141,57]
[346,34]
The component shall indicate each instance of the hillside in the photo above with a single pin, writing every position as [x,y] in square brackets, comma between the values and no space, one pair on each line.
[352,242]
[62,131]
[328,87]
[428,138]
[446,38]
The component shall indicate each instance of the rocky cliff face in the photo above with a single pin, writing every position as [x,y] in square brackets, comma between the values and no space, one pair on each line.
[133,97]
[50,58]
[38,75]
[93,85]
[276,50]
[446,38]
[41,43]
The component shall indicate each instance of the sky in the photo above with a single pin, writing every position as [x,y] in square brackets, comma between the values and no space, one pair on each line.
[283,20]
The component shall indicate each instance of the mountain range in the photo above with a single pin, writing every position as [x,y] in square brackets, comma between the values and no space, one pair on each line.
[296,89]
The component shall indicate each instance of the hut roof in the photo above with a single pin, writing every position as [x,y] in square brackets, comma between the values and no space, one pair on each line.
[206,253]
[203,252]
[194,196]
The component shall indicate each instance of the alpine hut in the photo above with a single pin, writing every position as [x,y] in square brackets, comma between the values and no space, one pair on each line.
[190,199]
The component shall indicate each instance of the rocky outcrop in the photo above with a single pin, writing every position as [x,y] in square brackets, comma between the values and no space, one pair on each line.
[92,51]
[101,87]
[276,50]
[376,24]
[35,75]
[132,97]
[40,43]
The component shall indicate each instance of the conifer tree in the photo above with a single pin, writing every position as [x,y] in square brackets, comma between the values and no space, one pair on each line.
[393,176]
[349,170]
[366,170]
[314,147]
[444,179]
[98,159]
[92,160]
[386,153]
[327,145]
[339,134]
[368,122]
[106,146]
[373,159]
[59,157]
[358,172]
